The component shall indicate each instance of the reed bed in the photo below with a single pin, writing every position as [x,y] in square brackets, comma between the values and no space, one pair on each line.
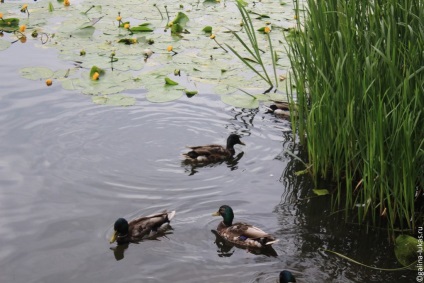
[358,80]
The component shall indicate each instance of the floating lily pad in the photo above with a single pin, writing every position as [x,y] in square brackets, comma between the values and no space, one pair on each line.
[322,192]
[114,100]
[36,73]
[406,248]
[93,28]
[4,44]
[240,100]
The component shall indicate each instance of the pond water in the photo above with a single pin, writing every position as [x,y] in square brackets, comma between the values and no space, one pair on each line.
[69,169]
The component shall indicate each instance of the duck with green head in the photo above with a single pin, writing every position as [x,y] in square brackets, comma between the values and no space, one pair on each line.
[212,152]
[287,277]
[241,234]
[136,229]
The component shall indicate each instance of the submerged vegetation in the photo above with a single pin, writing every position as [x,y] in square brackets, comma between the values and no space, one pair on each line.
[358,80]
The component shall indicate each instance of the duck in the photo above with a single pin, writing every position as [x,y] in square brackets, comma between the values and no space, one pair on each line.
[287,277]
[212,152]
[138,228]
[279,108]
[241,234]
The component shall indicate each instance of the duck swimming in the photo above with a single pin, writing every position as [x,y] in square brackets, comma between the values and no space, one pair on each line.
[241,234]
[138,228]
[286,277]
[212,152]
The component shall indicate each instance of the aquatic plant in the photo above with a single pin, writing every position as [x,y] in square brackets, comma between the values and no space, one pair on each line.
[358,80]
[254,49]
[87,33]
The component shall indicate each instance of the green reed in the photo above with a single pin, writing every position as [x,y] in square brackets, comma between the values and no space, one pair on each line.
[252,46]
[358,80]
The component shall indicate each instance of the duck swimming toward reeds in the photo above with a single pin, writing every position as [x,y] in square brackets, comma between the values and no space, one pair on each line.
[212,152]
[241,234]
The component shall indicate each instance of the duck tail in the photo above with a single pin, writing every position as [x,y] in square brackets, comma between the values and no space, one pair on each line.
[170,215]
[273,241]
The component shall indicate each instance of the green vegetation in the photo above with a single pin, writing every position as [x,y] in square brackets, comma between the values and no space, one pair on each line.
[254,49]
[358,80]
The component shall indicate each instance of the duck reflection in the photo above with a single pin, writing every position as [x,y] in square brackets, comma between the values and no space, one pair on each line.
[227,249]
[231,163]
[119,250]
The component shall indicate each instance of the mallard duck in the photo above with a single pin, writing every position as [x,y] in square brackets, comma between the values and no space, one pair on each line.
[279,108]
[212,152]
[286,277]
[138,228]
[241,234]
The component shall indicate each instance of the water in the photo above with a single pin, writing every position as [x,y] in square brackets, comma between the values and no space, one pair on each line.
[69,169]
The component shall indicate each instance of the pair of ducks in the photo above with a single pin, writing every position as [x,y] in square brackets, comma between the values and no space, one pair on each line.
[241,234]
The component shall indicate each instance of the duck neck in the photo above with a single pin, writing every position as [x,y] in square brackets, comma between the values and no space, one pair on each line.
[230,147]
[228,219]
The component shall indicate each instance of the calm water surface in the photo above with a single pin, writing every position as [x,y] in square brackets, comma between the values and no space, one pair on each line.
[69,168]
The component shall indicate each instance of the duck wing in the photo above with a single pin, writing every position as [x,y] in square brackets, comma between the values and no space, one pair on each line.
[246,231]
[142,226]
[212,152]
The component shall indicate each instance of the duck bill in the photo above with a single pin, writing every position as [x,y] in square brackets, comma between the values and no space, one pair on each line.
[242,143]
[216,214]
[114,236]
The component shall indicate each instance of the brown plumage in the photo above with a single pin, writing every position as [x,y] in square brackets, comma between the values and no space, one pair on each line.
[241,234]
[138,228]
[212,152]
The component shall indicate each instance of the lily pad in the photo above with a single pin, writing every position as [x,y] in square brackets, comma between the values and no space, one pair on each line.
[240,100]
[406,248]
[36,73]
[4,44]
[322,192]
[114,100]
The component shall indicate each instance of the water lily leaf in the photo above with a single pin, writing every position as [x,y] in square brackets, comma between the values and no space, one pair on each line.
[9,22]
[114,100]
[181,19]
[240,100]
[142,28]
[207,29]
[128,41]
[4,44]
[260,16]
[322,192]
[179,23]
[406,248]
[90,23]
[164,94]
[36,73]
[190,93]
[168,81]
[96,69]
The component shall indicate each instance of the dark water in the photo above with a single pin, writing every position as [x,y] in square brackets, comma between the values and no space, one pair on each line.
[69,168]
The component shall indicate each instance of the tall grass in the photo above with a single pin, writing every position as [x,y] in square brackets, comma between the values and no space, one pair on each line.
[358,77]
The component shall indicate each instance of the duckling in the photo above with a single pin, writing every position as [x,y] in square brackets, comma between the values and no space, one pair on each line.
[212,152]
[241,234]
[138,228]
[286,277]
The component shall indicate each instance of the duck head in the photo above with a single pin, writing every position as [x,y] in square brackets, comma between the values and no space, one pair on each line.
[120,229]
[227,214]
